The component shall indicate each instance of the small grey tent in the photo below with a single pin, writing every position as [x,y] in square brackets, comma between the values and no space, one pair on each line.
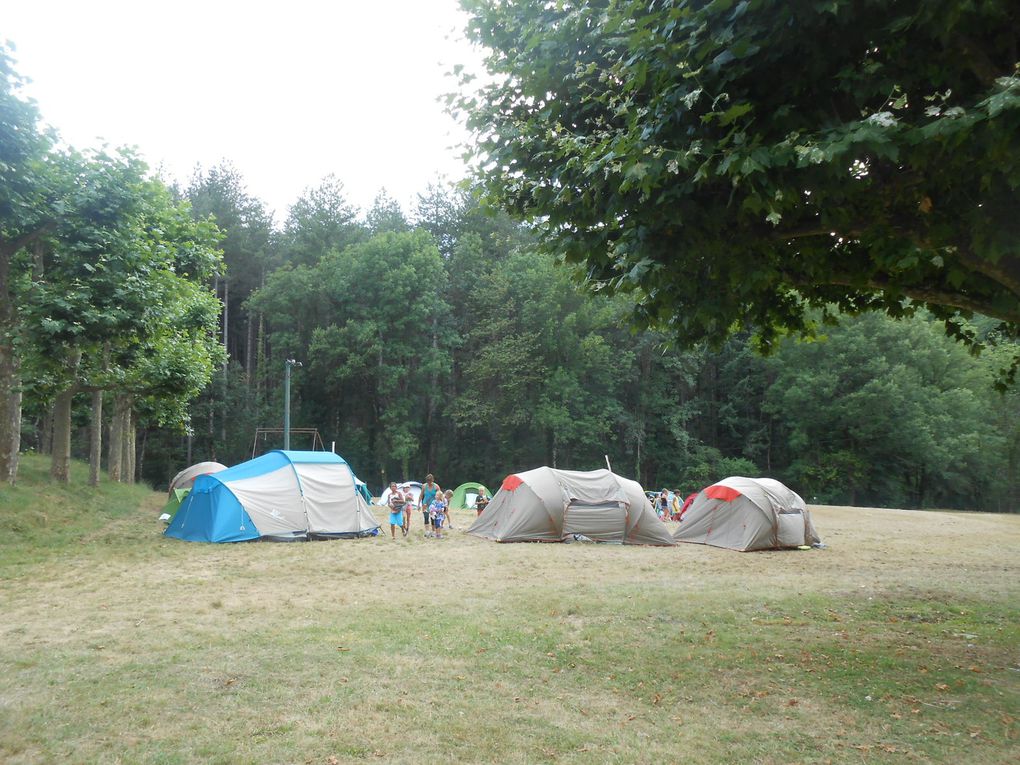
[747,514]
[186,478]
[549,505]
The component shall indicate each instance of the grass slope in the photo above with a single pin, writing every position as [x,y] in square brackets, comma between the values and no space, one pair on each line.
[898,643]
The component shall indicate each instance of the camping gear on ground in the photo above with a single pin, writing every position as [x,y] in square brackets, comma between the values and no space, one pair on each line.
[414,486]
[186,478]
[282,495]
[550,505]
[747,514]
[464,496]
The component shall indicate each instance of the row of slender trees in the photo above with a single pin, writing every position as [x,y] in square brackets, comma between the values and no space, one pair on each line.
[103,294]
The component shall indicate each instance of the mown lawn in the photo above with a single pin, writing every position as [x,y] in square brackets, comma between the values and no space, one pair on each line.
[899,643]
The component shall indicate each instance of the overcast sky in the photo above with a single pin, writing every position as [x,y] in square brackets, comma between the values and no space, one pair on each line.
[287,91]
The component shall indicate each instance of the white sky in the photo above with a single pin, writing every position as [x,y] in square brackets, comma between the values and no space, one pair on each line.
[287,91]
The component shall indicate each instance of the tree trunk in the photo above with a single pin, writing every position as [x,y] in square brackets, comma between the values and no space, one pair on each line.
[140,451]
[10,407]
[96,438]
[10,362]
[115,460]
[10,376]
[129,446]
[46,433]
[60,460]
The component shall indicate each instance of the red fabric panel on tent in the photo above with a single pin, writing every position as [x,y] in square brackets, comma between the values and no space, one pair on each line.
[725,493]
[687,503]
[511,482]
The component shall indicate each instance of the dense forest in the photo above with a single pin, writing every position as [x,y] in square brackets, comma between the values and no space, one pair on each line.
[159,320]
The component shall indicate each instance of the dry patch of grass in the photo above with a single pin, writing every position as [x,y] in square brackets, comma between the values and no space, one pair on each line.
[897,643]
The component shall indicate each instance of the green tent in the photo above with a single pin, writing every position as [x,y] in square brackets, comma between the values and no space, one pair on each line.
[173,504]
[465,494]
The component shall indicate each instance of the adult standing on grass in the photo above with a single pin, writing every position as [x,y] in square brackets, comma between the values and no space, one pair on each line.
[396,504]
[429,490]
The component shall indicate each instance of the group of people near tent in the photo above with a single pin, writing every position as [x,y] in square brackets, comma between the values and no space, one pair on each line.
[289,495]
[668,505]
[434,504]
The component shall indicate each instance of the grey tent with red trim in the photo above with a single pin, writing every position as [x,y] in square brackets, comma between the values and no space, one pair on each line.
[550,505]
[747,514]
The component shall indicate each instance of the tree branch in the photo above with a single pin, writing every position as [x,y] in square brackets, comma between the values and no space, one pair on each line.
[934,295]
[8,248]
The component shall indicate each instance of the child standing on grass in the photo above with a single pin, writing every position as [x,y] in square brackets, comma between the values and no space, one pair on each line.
[449,507]
[396,504]
[437,514]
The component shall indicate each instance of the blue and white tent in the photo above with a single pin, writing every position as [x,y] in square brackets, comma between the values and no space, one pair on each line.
[280,495]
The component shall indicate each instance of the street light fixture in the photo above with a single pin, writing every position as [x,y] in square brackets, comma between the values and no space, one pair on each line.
[286,402]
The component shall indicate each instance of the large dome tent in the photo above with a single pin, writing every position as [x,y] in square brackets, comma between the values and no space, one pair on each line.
[281,495]
[550,505]
[747,514]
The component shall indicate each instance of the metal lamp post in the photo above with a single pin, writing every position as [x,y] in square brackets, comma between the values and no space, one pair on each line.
[286,402]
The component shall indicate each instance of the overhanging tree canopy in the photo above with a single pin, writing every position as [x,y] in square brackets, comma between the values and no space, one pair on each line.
[738,162]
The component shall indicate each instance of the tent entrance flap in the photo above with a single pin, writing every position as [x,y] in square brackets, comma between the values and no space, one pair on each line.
[790,532]
[601,521]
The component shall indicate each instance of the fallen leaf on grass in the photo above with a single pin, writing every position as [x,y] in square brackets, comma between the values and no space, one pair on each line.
[657,698]
[942,687]
[342,649]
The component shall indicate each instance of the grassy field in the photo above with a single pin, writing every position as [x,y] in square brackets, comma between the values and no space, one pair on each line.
[898,643]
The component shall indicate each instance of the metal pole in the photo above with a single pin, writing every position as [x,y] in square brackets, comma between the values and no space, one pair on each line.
[286,402]
[286,406]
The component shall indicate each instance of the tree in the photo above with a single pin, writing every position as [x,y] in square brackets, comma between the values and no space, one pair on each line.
[737,163]
[385,215]
[115,291]
[892,414]
[320,221]
[26,215]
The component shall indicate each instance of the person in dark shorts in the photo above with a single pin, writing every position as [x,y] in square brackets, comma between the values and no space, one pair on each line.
[481,501]
[429,490]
